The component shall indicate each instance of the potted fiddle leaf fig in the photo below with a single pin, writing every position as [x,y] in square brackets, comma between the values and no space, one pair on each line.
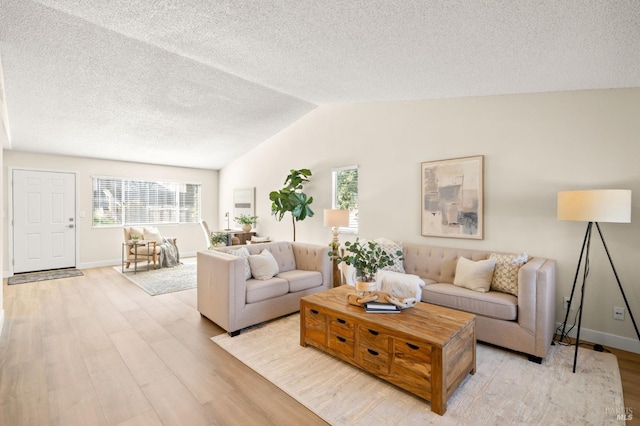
[291,198]
[367,258]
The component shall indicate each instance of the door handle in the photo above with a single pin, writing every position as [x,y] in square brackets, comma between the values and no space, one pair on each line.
[70,226]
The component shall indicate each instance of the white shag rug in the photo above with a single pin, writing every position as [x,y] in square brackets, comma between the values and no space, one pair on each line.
[506,389]
[164,280]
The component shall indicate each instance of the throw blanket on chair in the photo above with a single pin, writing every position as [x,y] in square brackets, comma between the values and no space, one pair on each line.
[169,255]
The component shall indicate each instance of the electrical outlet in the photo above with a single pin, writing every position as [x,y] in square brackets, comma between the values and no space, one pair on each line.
[618,313]
[565,302]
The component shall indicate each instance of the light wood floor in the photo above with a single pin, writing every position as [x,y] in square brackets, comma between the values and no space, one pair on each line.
[96,350]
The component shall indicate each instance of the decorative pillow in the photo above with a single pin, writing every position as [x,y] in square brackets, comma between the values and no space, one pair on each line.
[152,234]
[392,248]
[505,276]
[136,232]
[243,252]
[263,266]
[474,275]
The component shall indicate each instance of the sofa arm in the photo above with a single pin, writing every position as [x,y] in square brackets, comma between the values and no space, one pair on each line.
[536,299]
[313,257]
[221,287]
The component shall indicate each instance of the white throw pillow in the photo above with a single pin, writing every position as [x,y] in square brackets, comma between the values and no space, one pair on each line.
[391,247]
[136,232]
[263,266]
[152,234]
[243,252]
[474,275]
[505,276]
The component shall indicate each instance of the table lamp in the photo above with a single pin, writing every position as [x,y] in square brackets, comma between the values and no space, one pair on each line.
[336,219]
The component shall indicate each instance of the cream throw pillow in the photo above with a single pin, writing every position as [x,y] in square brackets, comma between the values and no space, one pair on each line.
[505,276]
[152,234]
[136,232]
[474,275]
[243,252]
[263,265]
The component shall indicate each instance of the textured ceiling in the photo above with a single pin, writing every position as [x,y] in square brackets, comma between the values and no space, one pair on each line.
[197,83]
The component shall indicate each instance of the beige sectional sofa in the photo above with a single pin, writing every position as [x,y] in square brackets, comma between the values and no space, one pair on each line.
[524,323]
[231,299]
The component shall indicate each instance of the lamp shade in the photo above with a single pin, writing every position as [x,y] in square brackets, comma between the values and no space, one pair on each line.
[336,218]
[598,205]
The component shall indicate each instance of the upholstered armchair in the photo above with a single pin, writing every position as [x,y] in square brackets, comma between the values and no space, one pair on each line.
[153,248]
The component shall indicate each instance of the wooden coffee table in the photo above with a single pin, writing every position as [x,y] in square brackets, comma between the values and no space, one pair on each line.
[427,350]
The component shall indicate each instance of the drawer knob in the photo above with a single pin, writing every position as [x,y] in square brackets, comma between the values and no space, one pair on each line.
[313,311]
[413,346]
[375,333]
[372,352]
[342,339]
[341,321]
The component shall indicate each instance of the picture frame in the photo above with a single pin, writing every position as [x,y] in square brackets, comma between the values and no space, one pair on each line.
[244,200]
[452,198]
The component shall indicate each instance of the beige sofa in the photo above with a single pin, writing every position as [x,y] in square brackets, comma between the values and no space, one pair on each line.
[233,302]
[524,323]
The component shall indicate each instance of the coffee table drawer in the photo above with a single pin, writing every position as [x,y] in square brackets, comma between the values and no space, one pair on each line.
[373,360]
[411,358]
[342,326]
[342,344]
[370,337]
[315,323]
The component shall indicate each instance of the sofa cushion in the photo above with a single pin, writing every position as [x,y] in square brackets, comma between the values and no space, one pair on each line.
[492,304]
[259,290]
[301,280]
[282,251]
[474,275]
[263,265]
[244,253]
[505,276]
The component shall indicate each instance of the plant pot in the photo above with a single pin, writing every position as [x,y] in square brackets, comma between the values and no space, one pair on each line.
[365,287]
[246,228]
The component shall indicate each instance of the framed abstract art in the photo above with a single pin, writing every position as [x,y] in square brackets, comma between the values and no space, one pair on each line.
[452,198]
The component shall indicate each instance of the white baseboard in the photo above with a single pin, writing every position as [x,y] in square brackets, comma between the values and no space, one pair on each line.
[605,339]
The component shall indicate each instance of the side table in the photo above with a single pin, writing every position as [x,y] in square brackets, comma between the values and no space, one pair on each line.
[135,244]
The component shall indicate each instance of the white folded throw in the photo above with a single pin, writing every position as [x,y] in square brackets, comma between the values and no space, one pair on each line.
[400,285]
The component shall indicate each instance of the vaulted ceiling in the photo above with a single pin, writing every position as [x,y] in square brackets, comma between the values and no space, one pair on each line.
[198,83]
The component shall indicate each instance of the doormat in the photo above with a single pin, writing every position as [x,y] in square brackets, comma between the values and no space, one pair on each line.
[31,277]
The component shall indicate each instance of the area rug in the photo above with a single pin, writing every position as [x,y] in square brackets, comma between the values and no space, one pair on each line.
[43,276]
[506,389]
[164,280]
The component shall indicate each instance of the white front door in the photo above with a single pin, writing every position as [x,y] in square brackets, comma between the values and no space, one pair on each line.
[44,220]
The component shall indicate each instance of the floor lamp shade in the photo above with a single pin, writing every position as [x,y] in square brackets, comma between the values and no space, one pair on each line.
[336,218]
[598,205]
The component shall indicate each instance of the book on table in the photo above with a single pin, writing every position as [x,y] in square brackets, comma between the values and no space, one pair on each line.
[381,307]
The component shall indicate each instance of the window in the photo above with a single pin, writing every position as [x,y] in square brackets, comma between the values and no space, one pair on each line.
[345,194]
[118,202]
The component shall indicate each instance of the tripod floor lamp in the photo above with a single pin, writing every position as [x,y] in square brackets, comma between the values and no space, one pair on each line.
[594,206]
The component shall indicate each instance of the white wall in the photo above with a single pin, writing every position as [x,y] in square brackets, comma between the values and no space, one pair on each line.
[102,246]
[534,146]
[4,140]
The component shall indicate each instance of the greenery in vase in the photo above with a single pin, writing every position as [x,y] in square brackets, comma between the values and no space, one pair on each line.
[292,199]
[368,258]
[245,219]
[217,238]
